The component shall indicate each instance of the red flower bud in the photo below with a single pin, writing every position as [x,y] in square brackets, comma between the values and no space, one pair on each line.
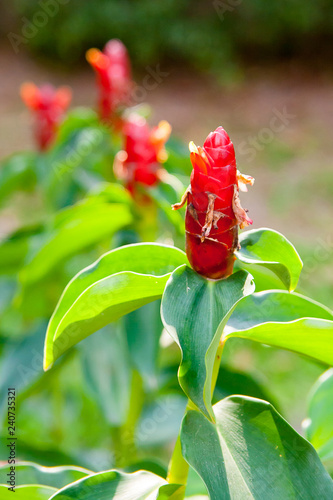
[48,106]
[140,161]
[112,67]
[213,212]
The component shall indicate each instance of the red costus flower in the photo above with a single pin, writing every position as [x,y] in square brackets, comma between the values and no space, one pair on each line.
[48,106]
[140,161]
[112,67]
[213,212]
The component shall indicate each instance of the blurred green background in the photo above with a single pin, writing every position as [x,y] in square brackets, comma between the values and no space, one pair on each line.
[261,69]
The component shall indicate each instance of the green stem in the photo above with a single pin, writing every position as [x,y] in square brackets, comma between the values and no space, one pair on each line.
[178,467]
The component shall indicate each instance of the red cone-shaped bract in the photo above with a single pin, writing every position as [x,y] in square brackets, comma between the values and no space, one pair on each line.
[140,161]
[48,106]
[213,212]
[112,67]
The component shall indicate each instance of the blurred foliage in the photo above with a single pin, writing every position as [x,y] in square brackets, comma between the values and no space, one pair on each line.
[214,36]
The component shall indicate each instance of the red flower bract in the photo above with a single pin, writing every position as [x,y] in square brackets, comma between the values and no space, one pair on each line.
[113,70]
[214,212]
[140,160]
[48,106]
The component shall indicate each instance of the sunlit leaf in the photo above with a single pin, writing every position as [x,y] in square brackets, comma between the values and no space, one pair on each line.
[252,453]
[288,321]
[119,282]
[194,311]
[31,473]
[319,424]
[268,248]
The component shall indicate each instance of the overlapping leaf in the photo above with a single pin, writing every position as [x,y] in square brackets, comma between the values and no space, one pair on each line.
[288,321]
[117,485]
[194,311]
[33,474]
[270,249]
[119,282]
[252,453]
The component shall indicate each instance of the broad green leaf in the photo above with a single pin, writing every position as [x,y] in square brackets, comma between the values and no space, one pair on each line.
[268,248]
[31,473]
[76,228]
[319,424]
[288,321]
[194,311]
[252,453]
[119,282]
[117,485]
[27,492]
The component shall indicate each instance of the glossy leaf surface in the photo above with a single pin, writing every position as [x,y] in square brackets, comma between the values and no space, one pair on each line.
[140,485]
[119,282]
[284,320]
[268,248]
[252,453]
[31,473]
[194,311]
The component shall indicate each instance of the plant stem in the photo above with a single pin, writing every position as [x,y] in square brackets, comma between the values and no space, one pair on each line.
[178,467]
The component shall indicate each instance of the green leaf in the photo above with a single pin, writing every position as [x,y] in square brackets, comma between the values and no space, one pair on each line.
[268,248]
[75,228]
[194,311]
[27,492]
[31,473]
[318,425]
[288,321]
[252,453]
[119,282]
[118,486]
